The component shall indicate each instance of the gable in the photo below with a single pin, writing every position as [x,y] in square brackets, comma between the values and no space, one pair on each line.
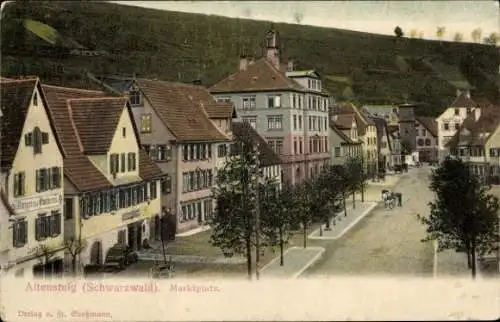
[124,138]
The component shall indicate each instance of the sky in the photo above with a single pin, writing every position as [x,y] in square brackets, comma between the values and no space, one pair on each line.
[369,16]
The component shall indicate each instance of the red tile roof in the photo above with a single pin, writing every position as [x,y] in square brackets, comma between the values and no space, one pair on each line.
[429,123]
[15,101]
[73,132]
[200,95]
[96,134]
[344,121]
[267,155]
[463,101]
[362,122]
[480,131]
[342,135]
[178,107]
[258,76]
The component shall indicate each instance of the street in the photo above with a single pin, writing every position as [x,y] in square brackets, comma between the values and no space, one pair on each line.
[386,242]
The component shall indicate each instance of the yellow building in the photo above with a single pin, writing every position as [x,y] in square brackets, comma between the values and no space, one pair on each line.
[31,185]
[111,186]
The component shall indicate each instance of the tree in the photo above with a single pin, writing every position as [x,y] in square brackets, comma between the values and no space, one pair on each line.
[298,16]
[463,216]
[398,32]
[302,196]
[441,30]
[355,177]
[327,192]
[413,33]
[492,39]
[234,222]
[476,34]
[458,36]
[74,247]
[276,218]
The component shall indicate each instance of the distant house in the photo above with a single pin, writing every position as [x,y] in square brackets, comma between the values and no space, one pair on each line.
[188,134]
[477,142]
[367,132]
[427,138]
[450,120]
[388,112]
[344,139]
[288,108]
[270,163]
[383,143]
[395,142]
[407,130]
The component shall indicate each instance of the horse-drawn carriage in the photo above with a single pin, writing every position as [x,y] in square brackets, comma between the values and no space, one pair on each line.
[391,199]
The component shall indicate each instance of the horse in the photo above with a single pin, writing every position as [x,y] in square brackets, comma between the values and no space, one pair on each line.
[389,199]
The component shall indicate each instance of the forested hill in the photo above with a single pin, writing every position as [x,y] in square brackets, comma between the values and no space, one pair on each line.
[362,67]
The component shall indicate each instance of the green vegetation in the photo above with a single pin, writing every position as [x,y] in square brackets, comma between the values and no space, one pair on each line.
[183,47]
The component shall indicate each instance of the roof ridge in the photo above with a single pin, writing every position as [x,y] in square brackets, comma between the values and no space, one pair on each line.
[73,125]
[74,89]
[98,98]
[282,75]
[205,114]
[13,80]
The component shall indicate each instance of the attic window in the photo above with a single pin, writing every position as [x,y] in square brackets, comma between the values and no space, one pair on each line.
[135,98]
[35,99]
[457,111]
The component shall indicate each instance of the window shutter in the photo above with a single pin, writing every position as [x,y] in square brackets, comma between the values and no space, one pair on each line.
[15,234]
[45,138]
[28,139]
[37,228]
[58,223]
[277,101]
[37,175]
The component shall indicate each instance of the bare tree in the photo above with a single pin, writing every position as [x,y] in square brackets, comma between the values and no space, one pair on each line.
[458,36]
[476,34]
[74,247]
[298,16]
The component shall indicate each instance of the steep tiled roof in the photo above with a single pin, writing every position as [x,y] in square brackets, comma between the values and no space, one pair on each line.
[349,108]
[15,100]
[429,123]
[200,95]
[176,107]
[259,76]
[341,134]
[79,170]
[483,102]
[267,155]
[96,134]
[463,101]
[344,121]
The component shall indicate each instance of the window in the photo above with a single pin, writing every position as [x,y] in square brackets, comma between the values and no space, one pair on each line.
[35,99]
[252,120]
[162,153]
[457,126]
[274,101]
[154,192]
[68,208]
[122,162]
[191,151]
[300,146]
[275,122]
[223,99]
[423,132]
[55,173]
[131,161]
[294,101]
[300,122]
[326,123]
[276,145]
[39,138]
[469,110]
[221,150]
[427,142]
[249,102]
[295,146]
[146,123]
[420,142]
[295,121]
[19,184]
[457,111]
[446,126]
[337,152]
[114,163]
[48,225]
[19,233]
[310,122]
[42,180]
[135,98]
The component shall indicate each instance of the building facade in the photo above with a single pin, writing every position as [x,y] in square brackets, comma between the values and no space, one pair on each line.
[450,120]
[288,108]
[344,139]
[188,134]
[383,143]
[407,129]
[32,242]
[427,138]
[395,142]
[111,186]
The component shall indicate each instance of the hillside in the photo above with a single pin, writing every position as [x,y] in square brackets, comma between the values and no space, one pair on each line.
[183,47]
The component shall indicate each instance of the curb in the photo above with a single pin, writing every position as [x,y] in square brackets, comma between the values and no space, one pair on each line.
[305,267]
[342,233]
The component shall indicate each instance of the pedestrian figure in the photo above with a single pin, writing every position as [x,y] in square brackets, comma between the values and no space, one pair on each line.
[400,199]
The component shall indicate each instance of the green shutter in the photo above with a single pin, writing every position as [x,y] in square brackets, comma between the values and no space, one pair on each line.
[28,139]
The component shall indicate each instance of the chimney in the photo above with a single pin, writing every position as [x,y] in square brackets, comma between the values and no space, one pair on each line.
[243,62]
[290,66]
[467,93]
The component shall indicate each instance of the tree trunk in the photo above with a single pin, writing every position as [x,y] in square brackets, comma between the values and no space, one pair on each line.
[469,258]
[282,247]
[249,257]
[344,204]
[473,260]
[363,192]
[354,200]
[73,264]
[304,227]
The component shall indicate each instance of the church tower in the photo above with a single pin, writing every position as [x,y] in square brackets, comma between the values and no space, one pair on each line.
[273,47]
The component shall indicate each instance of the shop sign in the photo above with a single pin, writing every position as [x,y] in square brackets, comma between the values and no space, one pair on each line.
[36,203]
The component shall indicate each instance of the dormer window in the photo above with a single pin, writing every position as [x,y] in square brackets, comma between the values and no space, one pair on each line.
[135,98]
[35,99]
[457,112]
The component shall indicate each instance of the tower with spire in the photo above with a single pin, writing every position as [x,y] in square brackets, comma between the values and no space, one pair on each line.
[272,47]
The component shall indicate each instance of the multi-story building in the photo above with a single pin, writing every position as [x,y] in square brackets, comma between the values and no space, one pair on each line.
[344,139]
[288,108]
[367,132]
[111,186]
[477,142]
[269,161]
[383,143]
[427,138]
[388,112]
[32,182]
[407,130]
[450,120]
[188,134]
[395,143]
